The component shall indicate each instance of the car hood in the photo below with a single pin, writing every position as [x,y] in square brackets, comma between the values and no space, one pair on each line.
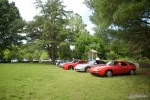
[98,67]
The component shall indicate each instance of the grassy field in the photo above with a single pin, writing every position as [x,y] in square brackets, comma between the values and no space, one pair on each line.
[49,82]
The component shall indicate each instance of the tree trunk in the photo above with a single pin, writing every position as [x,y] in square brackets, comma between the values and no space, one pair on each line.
[52,53]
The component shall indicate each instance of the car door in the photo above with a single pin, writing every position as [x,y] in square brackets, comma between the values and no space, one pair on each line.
[116,68]
[124,68]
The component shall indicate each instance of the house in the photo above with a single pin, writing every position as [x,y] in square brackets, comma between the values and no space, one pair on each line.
[92,54]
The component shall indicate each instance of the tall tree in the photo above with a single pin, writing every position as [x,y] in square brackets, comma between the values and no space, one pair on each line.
[76,26]
[11,25]
[49,27]
[78,35]
[130,18]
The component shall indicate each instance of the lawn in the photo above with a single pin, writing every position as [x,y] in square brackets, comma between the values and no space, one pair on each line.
[49,82]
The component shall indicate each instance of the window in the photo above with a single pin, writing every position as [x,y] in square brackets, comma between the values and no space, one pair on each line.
[130,63]
[123,64]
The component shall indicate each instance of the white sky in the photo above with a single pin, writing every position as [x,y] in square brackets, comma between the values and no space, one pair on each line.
[28,11]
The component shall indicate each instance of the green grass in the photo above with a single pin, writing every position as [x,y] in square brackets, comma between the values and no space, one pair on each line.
[48,82]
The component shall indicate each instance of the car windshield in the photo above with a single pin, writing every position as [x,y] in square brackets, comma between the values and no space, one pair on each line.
[74,61]
[91,62]
[112,62]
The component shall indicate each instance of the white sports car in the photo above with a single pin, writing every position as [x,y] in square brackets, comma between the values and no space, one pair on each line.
[86,67]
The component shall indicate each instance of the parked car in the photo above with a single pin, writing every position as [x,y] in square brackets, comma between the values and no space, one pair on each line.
[86,67]
[14,60]
[2,60]
[57,62]
[25,60]
[114,67]
[62,64]
[35,60]
[69,66]
[45,60]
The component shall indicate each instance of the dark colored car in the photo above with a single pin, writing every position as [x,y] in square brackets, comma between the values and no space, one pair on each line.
[2,60]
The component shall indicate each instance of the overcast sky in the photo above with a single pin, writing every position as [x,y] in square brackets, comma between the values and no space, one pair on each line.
[28,11]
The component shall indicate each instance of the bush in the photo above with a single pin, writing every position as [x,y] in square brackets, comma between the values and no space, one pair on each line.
[144,60]
[111,55]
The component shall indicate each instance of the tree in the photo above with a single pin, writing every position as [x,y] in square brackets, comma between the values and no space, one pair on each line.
[11,25]
[76,26]
[15,52]
[111,55]
[29,51]
[64,51]
[87,42]
[44,55]
[7,54]
[49,27]
[130,18]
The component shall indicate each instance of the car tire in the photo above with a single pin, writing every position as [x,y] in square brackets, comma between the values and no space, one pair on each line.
[87,69]
[132,72]
[70,68]
[108,73]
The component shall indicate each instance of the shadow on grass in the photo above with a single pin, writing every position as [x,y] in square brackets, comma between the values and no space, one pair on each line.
[122,75]
[81,72]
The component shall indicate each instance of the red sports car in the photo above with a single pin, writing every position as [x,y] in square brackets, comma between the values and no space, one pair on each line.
[69,66]
[114,67]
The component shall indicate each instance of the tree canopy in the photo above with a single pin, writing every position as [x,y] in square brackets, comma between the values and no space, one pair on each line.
[49,27]
[11,25]
[122,30]
[129,18]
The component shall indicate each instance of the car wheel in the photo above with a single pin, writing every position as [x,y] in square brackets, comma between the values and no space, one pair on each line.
[70,67]
[132,72]
[108,73]
[87,69]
